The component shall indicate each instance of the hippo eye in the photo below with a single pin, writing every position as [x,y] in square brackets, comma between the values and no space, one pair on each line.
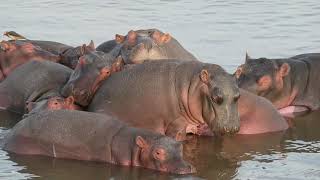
[236,97]
[217,99]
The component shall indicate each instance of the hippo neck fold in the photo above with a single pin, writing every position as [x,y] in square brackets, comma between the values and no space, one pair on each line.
[188,89]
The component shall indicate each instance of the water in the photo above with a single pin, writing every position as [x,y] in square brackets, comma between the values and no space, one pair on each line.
[215,31]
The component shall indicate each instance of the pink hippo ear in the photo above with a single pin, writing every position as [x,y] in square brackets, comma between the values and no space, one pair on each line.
[69,100]
[165,38]
[284,69]
[264,83]
[204,76]
[119,38]
[132,36]
[238,72]
[142,143]
[4,46]
[91,46]
[159,154]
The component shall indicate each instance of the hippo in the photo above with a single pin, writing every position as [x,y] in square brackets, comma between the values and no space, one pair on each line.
[171,96]
[30,82]
[95,137]
[257,116]
[51,103]
[13,54]
[40,80]
[68,55]
[91,70]
[291,84]
[149,44]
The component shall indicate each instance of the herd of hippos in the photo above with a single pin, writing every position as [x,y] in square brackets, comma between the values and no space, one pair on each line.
[132,100]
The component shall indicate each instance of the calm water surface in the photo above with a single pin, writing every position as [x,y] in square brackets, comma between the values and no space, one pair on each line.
[215,31]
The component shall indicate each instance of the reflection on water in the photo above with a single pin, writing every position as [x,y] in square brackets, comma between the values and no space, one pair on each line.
[215,31]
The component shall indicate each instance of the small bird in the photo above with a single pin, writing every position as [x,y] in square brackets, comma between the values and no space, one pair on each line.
[14,36]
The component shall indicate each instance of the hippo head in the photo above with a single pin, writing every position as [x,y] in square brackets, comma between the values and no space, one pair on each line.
[262,76]
[11,46]
[163,154]
[51,103]
[142,45]
[71,56]
[88,75]
[219,97]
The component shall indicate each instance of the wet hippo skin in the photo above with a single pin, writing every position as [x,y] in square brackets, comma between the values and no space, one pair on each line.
[171,97]
[95,137]
[291,84]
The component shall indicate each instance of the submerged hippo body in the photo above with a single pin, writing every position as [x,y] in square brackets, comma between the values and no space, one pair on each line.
[290,84]
[14,54]
[31,81]
[258,115]
[95,137]
[149,44]
[169,96]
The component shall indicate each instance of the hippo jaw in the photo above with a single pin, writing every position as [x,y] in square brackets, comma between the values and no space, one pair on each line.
[221,118]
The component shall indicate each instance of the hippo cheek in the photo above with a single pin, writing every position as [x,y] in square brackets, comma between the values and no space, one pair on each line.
[81,97]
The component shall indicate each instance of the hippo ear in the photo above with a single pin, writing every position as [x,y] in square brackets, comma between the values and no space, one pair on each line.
[118,64]
[264,83]
[70,100]
[83,50]
[159,154]
[165,38]
[119,38]
[284,69]
[238,72]
[4,46]
[142,143]
[91,45]
[204,76]
[248,58]
[132,36]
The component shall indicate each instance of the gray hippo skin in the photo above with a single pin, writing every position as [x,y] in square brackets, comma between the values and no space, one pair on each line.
[171,97]
[92,69]
[95,137]
[31,81]
[291,84]
[149,44]
[68,55]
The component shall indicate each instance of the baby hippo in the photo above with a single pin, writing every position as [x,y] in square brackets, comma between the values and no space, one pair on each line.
[95,137]
[52,103]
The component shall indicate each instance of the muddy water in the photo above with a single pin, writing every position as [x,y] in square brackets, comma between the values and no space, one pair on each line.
[215,31]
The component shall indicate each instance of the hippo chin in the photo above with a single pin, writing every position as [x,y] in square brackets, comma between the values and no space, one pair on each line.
[95,137]
[290,83]
[147,44]
[171,97]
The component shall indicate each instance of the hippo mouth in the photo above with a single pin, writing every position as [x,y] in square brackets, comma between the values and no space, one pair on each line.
[214,125]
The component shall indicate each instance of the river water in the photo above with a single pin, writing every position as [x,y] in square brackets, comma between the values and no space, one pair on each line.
[215,31]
